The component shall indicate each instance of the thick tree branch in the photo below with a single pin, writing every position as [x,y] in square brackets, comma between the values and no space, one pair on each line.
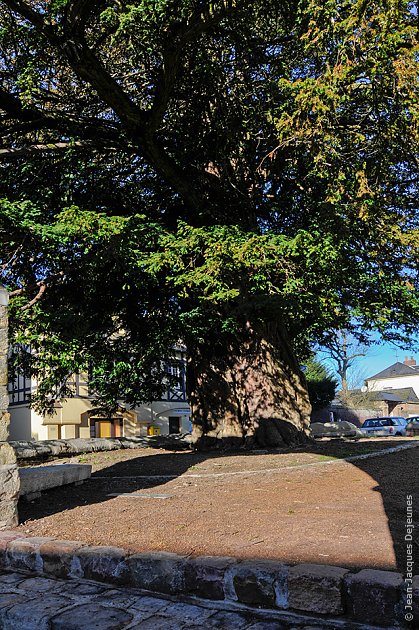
[41,286]
[13,106]
[33,119]
[38,296]
[178,37]
[165,85]
[77,13]
[17,6]
[140,126]
[86,65]
[51,147]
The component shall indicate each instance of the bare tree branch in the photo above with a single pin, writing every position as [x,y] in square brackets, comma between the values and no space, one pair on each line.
[343,351]
[11,259]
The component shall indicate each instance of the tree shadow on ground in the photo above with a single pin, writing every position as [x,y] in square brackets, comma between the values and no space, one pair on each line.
[146,472]
[398,492]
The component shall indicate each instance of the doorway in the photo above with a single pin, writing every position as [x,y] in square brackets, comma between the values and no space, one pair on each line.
[106,427]
[174,424]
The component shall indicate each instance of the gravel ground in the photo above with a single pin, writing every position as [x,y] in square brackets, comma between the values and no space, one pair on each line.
[302,506]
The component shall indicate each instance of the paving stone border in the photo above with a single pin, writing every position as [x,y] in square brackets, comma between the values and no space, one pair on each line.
[34,602]
[363,596]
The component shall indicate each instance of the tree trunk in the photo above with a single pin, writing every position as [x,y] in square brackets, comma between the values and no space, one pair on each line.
[248,391]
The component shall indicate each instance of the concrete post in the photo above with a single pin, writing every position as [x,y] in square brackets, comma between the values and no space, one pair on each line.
[9,475]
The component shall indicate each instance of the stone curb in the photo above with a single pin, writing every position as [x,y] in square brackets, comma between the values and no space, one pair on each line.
[367,596]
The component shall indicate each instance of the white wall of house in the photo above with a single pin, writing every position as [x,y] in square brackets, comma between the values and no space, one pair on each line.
[71,419]
[396,382]
[157,414]
[75,417]
[26,424]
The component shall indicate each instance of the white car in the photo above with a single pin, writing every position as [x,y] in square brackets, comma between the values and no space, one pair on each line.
[383,427]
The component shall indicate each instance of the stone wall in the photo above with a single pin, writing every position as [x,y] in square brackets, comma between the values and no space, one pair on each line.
[9,478]
[368,597]
[350,414]
[47,449]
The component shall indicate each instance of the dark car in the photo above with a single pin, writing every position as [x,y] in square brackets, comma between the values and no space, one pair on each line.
[412,427]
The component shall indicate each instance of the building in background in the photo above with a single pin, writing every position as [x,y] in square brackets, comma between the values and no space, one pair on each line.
[392,392]
[396,377]
[78,416]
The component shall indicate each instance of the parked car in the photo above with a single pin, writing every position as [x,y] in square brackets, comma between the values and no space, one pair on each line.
[382,427]
[335,429]
[412,427]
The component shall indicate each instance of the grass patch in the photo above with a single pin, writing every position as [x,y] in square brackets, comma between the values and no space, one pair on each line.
[344,452]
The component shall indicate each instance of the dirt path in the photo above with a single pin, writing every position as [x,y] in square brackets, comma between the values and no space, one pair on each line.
[348,514]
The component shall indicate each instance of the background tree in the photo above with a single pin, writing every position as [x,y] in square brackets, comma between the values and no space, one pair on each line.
[344,350]
[320,384]
[240,175]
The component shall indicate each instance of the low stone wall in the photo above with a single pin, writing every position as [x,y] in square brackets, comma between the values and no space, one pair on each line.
[9,476]
[367,596]
[45,449]
[9,486]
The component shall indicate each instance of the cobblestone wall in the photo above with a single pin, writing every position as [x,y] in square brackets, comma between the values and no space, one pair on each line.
[355,596]
[9,477]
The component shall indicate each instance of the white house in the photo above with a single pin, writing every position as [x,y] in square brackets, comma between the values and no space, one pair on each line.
[397,376]
[77,417]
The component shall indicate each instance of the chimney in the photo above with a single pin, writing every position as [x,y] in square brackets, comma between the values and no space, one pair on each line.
[411,362]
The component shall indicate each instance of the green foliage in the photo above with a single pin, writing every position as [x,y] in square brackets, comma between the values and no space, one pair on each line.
[221,162]
[100,313]
[320,383]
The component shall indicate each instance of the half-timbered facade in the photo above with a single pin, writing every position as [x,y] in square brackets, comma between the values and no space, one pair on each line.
[78,416]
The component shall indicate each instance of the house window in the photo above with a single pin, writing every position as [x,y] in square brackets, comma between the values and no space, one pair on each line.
[19,390]
[177,382]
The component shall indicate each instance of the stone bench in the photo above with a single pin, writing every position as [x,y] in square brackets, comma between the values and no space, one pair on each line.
[34,480]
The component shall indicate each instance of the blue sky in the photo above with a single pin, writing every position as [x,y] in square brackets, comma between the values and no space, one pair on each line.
[378,357]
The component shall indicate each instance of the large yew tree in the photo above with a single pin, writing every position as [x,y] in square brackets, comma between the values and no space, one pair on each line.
[241,176]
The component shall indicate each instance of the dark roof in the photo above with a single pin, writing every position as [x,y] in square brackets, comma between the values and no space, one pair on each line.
[395,370]
[405,394]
